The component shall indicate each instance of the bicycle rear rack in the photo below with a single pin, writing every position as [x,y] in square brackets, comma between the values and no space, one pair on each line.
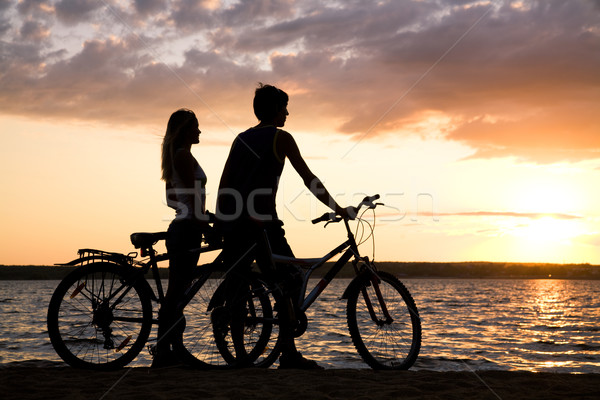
[86,256]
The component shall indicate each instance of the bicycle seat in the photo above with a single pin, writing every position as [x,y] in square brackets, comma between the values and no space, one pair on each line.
[142,240]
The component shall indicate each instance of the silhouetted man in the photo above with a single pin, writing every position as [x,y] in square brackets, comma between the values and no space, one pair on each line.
[247,191]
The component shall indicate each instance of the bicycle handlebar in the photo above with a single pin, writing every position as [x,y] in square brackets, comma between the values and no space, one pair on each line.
[333,217]
[325,217]
[368,201]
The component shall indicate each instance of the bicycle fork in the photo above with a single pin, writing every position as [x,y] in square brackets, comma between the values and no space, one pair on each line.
[374,282]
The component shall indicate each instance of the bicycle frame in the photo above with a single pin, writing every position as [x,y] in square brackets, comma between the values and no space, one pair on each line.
[152,264]
[138,268]
[350,249]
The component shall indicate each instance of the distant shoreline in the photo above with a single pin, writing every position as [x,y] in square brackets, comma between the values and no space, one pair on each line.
[462,270]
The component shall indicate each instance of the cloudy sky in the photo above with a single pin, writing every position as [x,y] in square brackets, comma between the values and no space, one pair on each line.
[478,122]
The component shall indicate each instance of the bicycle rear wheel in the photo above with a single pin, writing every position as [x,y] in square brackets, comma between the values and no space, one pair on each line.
[98,318]
[207,340]
[384,343]
[258,329]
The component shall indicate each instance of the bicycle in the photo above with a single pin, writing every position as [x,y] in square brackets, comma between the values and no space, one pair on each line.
[382,317]
[100,316]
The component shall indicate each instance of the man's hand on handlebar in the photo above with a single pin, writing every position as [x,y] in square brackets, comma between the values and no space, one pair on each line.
[348,213]
[352,212]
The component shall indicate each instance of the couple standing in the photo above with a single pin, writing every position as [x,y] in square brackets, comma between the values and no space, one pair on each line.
[246,193]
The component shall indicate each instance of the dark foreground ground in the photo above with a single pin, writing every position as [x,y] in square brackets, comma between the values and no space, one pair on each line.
[33,380]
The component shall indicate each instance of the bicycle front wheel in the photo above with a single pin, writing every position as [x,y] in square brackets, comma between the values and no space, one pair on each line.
[384,340]
[98,318]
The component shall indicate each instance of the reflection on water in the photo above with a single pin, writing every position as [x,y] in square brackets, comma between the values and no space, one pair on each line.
[536,325]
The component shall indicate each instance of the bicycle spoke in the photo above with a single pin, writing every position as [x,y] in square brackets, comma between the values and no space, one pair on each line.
[86,330]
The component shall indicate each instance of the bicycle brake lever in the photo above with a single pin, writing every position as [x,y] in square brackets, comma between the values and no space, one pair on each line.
[373,205]
[336,219]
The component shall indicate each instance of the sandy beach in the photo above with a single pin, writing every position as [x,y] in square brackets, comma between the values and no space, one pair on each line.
[34,380]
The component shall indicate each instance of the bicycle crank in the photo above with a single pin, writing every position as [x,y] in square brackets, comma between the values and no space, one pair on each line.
[301,323]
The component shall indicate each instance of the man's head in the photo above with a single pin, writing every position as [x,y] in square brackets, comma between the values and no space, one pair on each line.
[270,104]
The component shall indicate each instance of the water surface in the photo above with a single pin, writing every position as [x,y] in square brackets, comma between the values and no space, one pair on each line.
[468,324]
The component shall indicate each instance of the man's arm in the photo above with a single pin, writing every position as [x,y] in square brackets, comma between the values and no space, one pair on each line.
[286,147]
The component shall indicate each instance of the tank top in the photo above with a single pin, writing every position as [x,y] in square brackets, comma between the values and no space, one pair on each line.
[250,177]
[184,198]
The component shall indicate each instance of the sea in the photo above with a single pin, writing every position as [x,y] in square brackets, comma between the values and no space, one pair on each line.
[468,324]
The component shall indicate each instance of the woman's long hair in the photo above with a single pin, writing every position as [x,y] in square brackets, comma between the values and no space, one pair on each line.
[178,124]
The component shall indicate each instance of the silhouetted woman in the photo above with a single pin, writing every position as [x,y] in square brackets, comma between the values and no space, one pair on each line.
[185,182]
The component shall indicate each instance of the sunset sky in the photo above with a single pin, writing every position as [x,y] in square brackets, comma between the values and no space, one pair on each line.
[477,122]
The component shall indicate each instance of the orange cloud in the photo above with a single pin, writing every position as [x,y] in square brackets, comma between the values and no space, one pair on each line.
[513,81]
